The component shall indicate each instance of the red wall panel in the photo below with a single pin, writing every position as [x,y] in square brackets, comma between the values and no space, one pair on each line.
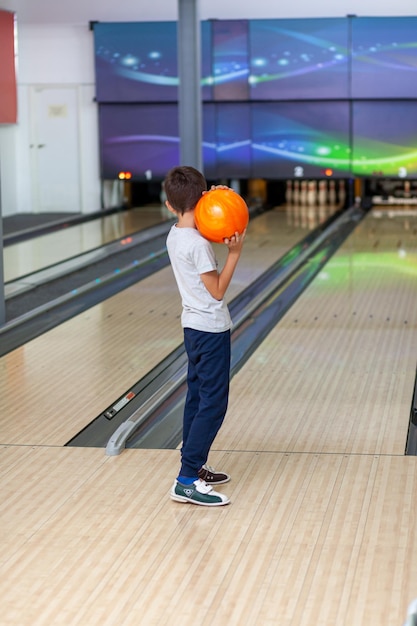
[8,91]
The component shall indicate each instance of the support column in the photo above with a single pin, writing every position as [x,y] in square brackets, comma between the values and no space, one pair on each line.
[189,94]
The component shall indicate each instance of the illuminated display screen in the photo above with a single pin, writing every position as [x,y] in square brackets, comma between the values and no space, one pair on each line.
[234,140]
[289,59]
[206,62]
[384,139]
[230,60]
[240,140]
[273,140]
[137,62]
[284,98]
[384,57]
[209,147]
[298,59]
[300,139]
[142,139]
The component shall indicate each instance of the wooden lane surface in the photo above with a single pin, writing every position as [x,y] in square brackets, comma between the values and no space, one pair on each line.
[337,374]
[53,386]
[308,539]
[321,535]
[40,252]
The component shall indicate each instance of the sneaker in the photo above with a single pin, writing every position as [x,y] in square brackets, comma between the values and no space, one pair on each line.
[211,477]
[197,493]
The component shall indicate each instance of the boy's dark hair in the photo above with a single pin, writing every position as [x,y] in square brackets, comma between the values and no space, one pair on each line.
[184,186]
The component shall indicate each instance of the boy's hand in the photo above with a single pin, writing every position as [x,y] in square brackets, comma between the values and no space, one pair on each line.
[219,187]
[235,243]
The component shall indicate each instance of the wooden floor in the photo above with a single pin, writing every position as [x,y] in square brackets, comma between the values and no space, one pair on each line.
[321,528]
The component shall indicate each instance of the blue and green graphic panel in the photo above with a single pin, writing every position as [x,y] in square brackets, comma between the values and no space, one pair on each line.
[230,58]
[384,139]
[299,59]
[300,139]
[384,57]
[138,61]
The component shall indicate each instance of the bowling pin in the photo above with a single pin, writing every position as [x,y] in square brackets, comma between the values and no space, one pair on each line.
[303,192]
[311,217]
[322,212]
[296,192]
[322,193]
[297,215]
[311,192]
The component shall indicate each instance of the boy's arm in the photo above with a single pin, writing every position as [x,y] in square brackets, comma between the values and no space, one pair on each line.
[217,283]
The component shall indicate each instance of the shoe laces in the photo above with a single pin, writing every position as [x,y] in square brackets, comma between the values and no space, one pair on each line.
[202,486]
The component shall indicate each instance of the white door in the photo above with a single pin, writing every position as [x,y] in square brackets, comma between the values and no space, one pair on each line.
[55,150]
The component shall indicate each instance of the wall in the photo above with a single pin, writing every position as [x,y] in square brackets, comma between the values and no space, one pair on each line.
[50,56]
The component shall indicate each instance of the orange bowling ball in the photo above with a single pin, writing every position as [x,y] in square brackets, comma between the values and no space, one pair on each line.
[220,213]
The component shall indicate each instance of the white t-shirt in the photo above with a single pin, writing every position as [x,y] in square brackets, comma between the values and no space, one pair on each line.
[191,255]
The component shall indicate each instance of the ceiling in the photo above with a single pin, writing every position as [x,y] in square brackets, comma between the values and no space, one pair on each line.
[84,11]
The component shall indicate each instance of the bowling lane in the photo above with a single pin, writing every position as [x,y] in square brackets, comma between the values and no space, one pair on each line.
[40,252]
[337,374]
[56,384]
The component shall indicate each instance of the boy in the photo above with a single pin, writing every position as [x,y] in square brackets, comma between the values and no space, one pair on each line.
[206,322]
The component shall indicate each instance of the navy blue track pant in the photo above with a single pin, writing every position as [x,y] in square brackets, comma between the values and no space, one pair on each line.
[207,396]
